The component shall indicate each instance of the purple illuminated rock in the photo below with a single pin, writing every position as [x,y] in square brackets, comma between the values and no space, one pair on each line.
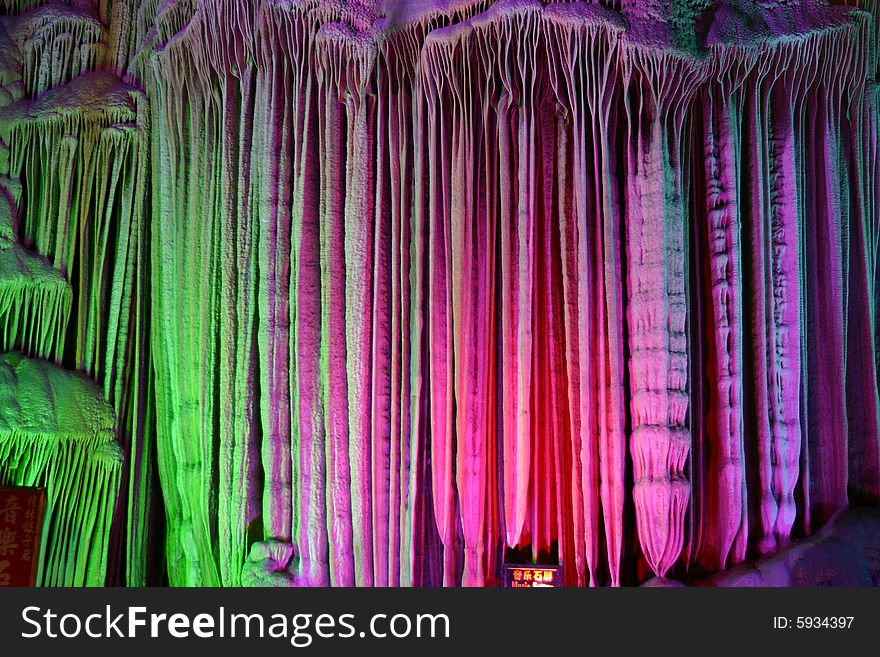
[845,552]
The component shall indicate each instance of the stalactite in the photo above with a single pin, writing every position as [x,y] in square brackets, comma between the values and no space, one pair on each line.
[662,85]
[725,537]
[58,42]
[35,299]
[482,191]
[200,273]
[870,168]
[589,94]
[76,154]
[293,458]
[35,304]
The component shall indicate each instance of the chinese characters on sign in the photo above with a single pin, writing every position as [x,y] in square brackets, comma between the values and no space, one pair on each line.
[528,577]
[21,523]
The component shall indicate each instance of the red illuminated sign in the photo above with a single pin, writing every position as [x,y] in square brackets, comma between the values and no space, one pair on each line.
[21,524]
[532,577]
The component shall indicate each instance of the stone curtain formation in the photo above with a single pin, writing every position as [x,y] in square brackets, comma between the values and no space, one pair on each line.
[386,293]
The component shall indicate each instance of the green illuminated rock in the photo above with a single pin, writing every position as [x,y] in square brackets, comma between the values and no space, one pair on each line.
[58,432]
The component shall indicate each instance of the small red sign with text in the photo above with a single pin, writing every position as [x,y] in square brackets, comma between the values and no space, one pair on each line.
[21,526]
[532,577]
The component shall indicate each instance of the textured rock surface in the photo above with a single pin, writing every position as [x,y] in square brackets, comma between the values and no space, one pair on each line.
[37,398]
[71,189]
[845,552]
[390,291]
[493,256]
[58,432]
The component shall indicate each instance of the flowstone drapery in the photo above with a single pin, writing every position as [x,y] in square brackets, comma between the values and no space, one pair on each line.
[391,292]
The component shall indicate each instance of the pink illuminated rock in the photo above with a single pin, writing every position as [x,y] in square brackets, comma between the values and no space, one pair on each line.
[509,252]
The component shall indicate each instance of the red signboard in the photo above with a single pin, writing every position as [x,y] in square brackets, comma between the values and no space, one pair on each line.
[530,577]
[21,525]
